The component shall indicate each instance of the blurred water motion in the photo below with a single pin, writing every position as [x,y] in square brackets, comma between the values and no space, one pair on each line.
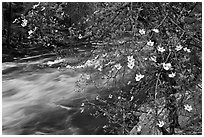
[31,99]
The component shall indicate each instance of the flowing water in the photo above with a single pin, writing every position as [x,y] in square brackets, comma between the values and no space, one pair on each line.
[32,100]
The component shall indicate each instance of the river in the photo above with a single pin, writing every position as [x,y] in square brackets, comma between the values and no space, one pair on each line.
[43,101]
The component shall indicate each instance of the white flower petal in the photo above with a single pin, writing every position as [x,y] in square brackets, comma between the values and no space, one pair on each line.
[138,77]
[188,108]
[150,43]
[161,49]
[82,104]
[97,97]
[187,50]
[139,128]
[118,66]
[142,31]
[100,68]
[155,30]
[131,98]
[172,75]
[24,23]
[178,47]
[166,66]
[160,124]
[130,59]
[131,65]
[80,36]
[110,96]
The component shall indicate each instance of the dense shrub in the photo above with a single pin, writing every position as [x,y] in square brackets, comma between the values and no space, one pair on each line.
[148,58]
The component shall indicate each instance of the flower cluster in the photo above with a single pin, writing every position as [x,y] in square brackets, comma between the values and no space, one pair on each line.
[187,50]
[95,63]
[131,62]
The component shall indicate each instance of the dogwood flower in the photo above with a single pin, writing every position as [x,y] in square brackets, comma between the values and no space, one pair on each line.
[150,43]
[138,77]
[110,96]
[130,59]
[187,50]
[167,66]
[178,47]
[172,75]
[131,62]
[24,23]
[30,32]
[118,66]
[155,30]
[160,124]
[161,49]
[100,68]
[131,65]
[35,6]
[188,108]
[142,31]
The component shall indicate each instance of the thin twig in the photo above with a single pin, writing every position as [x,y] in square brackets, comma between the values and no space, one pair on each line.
[184,30]
[162,21]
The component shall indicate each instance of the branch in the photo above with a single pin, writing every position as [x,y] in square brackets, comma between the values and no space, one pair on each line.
[198,40]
